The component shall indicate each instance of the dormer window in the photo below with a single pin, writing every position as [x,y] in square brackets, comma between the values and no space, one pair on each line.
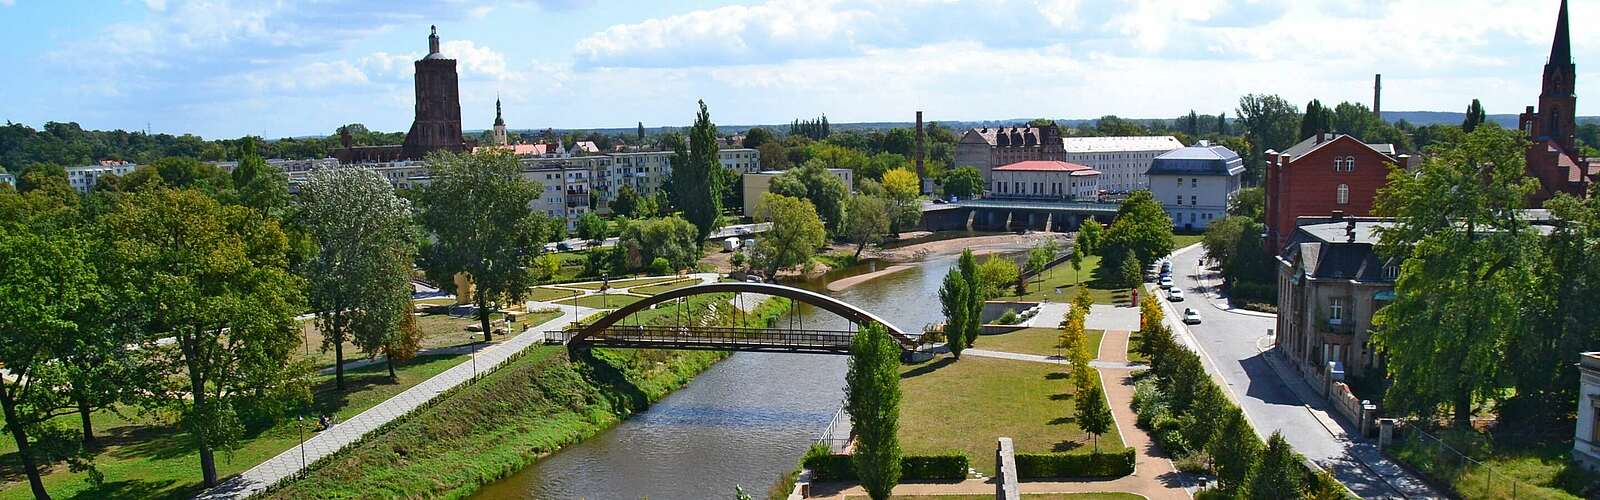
[1391,272]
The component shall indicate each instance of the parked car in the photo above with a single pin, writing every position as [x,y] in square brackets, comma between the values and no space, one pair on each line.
[1166,282]
[1175,295]
[1190,317]
[563,246]
[1166,266]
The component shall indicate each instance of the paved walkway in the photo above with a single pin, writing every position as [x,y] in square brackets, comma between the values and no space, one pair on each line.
[327,442]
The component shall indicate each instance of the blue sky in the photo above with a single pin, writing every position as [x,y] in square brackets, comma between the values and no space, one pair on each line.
[225,68]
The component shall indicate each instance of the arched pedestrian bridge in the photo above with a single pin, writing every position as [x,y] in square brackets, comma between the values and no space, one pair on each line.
[610,330]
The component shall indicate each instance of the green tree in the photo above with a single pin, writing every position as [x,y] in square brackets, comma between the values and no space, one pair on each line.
[213,279]
[260,186]
[1317,119]
[36,175]
[813,182]
[1249,202]
[866,221]
[1208,400]
[1475,117]
[954,298]
[627,203]
[1269,122]
[1142,228]
[964,183]
[1234,450]
[1091,235]
[644,241]
[591,227]
[1469,275]
[757,136]
[477,209]
[795,235]
[1280,474]
[49,279]
[1041,254]
[968,264]
[697,178]
[1222,237]
[996,276]
[1093,416]
[360,278]
[905,206]
[1129,272]
[872,388]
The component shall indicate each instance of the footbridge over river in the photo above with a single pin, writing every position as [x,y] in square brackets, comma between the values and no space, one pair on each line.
[611,330]
[1014,215]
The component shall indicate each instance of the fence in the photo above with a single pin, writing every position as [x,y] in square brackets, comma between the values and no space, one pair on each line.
[1471,478]
[836,436]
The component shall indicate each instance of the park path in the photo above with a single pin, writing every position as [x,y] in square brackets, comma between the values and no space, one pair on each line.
[1154,477]
[327,442]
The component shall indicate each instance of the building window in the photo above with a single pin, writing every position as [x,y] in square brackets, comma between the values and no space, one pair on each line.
[1194,200]
[1180,200]
[1335,311]
[1343,194]
[1193,183]
[1391,272]
[1180,182]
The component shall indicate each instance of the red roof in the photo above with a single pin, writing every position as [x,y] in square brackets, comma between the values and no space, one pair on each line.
[1046,166]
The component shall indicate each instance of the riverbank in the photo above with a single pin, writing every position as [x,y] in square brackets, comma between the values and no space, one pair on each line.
[841,284]
[980,245]
[529,408]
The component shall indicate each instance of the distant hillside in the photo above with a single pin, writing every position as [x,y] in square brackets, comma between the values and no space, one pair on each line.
[1453,118]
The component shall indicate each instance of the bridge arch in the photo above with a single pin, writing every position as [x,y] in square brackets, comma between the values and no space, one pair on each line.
[844,309]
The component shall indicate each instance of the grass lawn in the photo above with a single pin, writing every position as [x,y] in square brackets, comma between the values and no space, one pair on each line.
[616,284]
[606,301]
[1035,496]
[966,405]
[1183,240]
[1062,276]
[664,287]
[438,330]
[146,457]
[1134,356]
[1543,469]
[548,294]
[1041,341]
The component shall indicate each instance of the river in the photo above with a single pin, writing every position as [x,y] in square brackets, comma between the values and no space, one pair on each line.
[743,422]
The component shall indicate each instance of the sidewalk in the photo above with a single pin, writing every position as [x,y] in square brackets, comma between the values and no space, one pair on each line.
[327,442]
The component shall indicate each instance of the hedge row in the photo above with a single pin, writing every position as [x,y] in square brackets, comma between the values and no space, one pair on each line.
[925,467]
[1057,465]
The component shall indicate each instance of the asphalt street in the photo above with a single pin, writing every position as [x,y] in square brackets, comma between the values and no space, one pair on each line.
[1234,345]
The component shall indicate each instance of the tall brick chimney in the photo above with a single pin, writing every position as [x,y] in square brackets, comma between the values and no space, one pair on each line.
[922,170]
[1377,95]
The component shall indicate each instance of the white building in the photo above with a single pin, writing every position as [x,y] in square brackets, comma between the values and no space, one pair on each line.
[1045,180]
[1195,183]
[646,171]
[1586,438]
[1121,161]
[565,189]
[8,179]
[83,178]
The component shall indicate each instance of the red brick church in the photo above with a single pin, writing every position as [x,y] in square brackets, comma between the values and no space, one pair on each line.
[1553,156]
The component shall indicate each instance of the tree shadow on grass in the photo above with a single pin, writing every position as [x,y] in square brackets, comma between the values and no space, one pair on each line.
[134,488]
[927,368]
[1057,375]
[625,395]
[1065,396]
[1065,446]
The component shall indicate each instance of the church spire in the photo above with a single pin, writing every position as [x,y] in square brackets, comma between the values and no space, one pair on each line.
[498,120]
[433,38]
[1561,47]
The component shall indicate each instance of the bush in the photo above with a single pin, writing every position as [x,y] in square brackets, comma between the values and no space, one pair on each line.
[660,266]
[1197,462]
[1249,291]
[1056,465]
[1008,318]
[950,466]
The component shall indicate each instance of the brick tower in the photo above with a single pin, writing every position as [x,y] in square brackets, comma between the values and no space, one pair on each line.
[1553,155]
[437,125]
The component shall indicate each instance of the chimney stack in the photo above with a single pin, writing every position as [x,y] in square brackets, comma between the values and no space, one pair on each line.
[922,171]
[1377,95]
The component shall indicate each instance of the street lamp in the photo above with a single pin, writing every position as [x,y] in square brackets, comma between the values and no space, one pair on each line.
[300,428]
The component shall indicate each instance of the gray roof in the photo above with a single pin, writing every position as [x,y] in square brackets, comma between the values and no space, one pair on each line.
[1338,250]
[1312,143]
[1197,160]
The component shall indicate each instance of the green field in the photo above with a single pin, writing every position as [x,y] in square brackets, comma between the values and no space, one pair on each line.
[601,301]
[620,284]
[548,294]
[1041,341]
[967,405]
[664,287]
[148,457]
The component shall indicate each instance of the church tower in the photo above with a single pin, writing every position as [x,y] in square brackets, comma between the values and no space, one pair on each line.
[1553,154]
[499,125]
[437,122]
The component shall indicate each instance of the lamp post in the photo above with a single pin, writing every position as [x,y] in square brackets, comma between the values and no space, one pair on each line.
[300,428]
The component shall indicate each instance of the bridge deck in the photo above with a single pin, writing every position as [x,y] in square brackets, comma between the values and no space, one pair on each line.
[720,338]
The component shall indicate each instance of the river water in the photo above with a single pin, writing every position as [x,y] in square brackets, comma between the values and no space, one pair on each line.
[743,422]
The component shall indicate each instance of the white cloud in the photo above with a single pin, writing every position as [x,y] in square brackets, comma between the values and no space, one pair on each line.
[727,34]
[156,5]
[7,3]
[475,60]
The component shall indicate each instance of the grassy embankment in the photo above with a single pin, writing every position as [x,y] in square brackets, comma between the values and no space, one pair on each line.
[1064,278]
[529,407]
[1541,466]
[1040,341]
[148,456]
[966,405]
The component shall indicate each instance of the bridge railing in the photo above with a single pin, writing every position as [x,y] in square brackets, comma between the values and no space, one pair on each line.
[713,335]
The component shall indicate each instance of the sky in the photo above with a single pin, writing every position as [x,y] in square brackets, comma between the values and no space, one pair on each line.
[276,68]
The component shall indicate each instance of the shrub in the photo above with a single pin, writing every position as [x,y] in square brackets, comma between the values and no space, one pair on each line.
[950,466]
[1057,465]
[1196,462]
[660,265]
[1008,318]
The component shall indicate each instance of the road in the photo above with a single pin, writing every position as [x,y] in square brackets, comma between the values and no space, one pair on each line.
[1235,346]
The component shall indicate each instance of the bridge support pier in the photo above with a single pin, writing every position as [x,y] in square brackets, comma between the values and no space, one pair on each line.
[973,215]
[1009,215]
[1047,220]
